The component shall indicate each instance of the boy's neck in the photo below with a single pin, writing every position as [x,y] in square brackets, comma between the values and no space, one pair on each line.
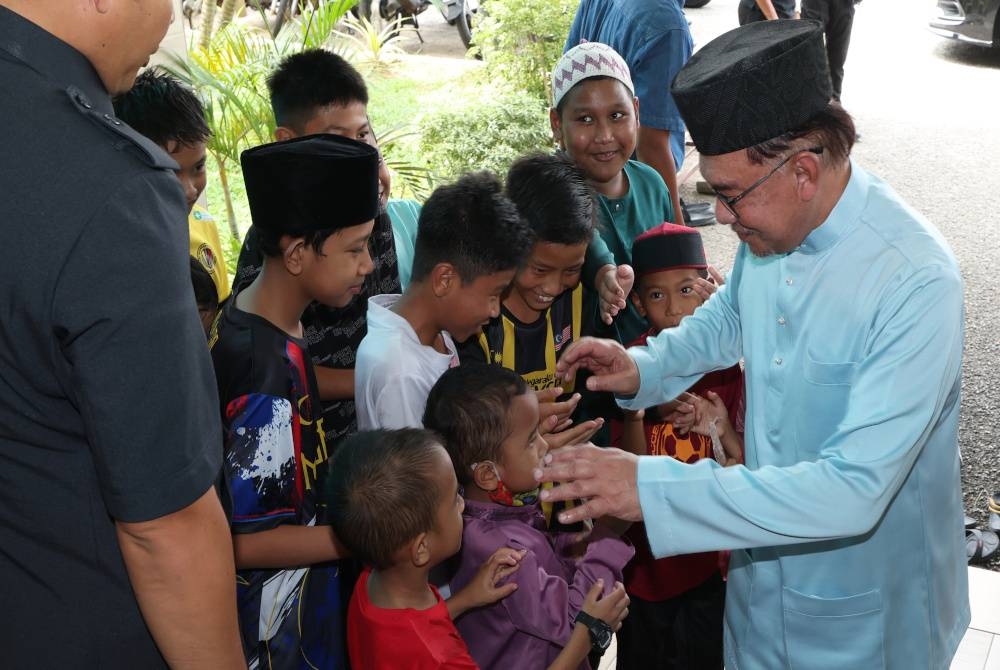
[476,494]
[418,305]
[276,297]
[520,309]
[401,586]
[616,188]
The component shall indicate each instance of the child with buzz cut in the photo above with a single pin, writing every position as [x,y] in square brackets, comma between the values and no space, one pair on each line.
[595,119]
[395,504]
[169,113]
[313,201]
[677,605]
[488,418]
[317,91]
[470,241]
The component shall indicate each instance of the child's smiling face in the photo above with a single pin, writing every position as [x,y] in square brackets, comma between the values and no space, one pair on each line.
[598,126]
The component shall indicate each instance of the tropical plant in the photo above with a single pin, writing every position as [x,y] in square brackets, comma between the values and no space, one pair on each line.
[369,45]
[521,40]
[484,134]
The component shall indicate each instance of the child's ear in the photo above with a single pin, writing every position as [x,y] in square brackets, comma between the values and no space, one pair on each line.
[485,477]
[556,123]
[282,133]
[420,551]
[444,278]
[635,104]
[293,254]
[634,297]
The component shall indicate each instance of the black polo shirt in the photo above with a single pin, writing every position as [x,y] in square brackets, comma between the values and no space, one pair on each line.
[108,407]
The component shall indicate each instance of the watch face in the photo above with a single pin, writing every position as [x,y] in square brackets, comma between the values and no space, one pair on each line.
[600,635]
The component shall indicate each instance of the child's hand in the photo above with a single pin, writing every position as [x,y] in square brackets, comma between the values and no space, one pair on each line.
[706,287]
[577,434]
[612,608]
[613,284]
[680,413]
[707,410]
[555,416]
[503,563]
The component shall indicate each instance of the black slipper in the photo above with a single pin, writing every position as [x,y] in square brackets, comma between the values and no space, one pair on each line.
[980,545]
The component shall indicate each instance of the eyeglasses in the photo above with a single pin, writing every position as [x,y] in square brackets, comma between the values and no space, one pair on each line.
[730,203]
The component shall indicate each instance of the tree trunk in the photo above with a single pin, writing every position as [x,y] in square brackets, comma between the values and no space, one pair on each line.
[207,22]
[226,15]
[230,212]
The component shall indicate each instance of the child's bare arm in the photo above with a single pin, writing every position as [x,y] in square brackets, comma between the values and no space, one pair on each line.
[613,284]
[712,409]
[334,384]
[611,609]
[287,546]
[483,589]
[633,434]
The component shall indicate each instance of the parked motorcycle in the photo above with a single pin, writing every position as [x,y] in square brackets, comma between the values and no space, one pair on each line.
[459,13]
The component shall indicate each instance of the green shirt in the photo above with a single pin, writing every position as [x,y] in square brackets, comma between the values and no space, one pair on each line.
[645,206]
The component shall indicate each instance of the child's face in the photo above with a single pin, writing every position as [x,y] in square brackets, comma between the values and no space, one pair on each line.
[470,305]
[350,121]
[446,537]
[523,450]
[191,158]
[598,128]
[551,270]
[336,275]
[666,297]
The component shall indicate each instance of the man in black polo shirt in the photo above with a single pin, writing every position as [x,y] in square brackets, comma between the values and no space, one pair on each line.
[114,548]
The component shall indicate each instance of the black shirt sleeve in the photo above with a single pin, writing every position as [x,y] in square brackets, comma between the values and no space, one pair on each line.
[132,353]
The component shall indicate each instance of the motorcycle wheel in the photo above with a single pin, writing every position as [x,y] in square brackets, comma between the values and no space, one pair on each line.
[466,21]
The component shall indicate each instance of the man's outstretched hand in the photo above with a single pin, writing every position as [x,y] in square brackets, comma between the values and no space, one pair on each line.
[604,478]
[614,370]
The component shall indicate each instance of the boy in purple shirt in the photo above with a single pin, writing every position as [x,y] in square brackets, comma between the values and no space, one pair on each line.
[489,422]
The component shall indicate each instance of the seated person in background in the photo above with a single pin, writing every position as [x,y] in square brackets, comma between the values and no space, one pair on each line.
[312,92]
[169,113]
[290,585]
[205,294]
[677,602]
[470,241]
[488,418]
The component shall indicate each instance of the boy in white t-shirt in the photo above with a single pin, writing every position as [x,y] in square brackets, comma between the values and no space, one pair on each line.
[470,241]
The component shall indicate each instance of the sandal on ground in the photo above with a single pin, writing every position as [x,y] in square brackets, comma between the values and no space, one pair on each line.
[970,522]
[994,522]
[993,504]
[980,544]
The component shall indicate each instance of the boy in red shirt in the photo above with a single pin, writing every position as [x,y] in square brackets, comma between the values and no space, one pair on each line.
[394,501]
[677,602]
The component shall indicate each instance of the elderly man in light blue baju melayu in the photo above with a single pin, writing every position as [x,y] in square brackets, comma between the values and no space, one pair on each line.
[847,308]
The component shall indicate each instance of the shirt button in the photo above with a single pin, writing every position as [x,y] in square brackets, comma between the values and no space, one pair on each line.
[789,281]
[83,102]
[781,320]
[778,361]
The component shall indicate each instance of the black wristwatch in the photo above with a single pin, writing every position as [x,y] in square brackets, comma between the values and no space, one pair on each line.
[600,632]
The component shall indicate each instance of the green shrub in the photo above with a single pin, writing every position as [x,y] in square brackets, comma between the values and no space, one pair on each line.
[487,134]
[521,40]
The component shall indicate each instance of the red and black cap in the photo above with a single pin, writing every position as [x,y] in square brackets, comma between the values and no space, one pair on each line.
[668,247]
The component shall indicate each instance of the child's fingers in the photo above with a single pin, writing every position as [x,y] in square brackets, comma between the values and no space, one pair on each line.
[594,594]
[505,571]
[716,276]
[502,592]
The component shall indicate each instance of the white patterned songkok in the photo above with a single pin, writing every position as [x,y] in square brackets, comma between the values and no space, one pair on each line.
[586,60]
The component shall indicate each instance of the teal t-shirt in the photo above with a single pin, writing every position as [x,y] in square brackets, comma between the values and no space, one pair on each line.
[404,215]
[645,206]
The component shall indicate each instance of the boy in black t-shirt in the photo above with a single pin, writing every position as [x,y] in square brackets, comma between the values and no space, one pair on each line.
[313,201]
[317,91]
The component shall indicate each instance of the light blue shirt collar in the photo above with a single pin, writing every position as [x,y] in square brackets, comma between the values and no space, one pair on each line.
[844,216]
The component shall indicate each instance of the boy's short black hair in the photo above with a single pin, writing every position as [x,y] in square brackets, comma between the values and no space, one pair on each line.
[468,408]
[381,491]
[472,225]
[163,109]
[553,196]
[311,79]
[205,293]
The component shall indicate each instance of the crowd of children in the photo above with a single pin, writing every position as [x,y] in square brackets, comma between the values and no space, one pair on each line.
[387,384]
